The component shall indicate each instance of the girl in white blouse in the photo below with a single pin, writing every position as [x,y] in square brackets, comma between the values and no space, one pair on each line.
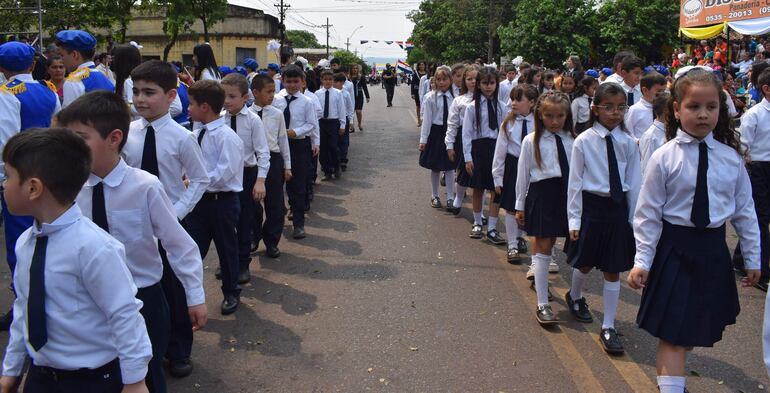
[205,63]
[692,185]
[541,188]
[454,134]
[581,105]
[435,116]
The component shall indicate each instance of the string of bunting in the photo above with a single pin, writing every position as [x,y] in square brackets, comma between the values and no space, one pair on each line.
[406,45]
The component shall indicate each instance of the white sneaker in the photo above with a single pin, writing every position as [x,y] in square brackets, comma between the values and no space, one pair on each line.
[553,267]
[531,272]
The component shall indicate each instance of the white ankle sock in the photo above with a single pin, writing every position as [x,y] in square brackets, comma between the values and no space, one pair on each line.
[511,229]
[611,297]
[671,384]
[459,193]
[541,262]
[578,278]
[435,179]
[477,218]
[450,184]
[492,224]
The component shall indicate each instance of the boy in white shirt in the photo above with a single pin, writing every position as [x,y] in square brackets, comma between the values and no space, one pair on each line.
[333,112]
[640,115]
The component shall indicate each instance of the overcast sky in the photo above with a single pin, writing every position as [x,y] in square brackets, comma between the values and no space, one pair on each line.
[383,20]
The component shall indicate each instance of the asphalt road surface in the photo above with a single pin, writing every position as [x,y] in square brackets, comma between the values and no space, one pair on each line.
[387,294]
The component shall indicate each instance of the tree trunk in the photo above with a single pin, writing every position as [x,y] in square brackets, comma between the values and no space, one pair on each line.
[169,45]
[205,29]
[122,31]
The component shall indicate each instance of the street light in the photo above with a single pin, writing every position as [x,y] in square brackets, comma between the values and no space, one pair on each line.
[347,43]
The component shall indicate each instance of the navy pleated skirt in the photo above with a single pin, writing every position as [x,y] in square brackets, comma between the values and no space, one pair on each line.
[545,211]
[606,239]
[691,295]
[508,196]
[482,151]
[434,155]
[462,178]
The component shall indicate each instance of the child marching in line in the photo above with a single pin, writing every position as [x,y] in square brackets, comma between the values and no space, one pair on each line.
[640,116]
[568,84]
[516,125]
[435,112]
[546,82]
[692,185]
[454,135]
[655,136]
[604,181]
[581,105]
[480,129]
[458,70]
[541,189]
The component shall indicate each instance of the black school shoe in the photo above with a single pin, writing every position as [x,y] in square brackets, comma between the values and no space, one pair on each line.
[343,167]
[494,238]
[611,342]
[273,252]
[230,304]
[545,316]
[476,232]
[581,314]
[180,368]
[435,203]
[484,221]
[244,276]
[450,205]
[299,233]
[521,245]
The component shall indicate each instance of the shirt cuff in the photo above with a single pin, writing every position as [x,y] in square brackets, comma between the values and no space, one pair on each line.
[423,140]
[752,265]
[133,373]
[520,205]
[574,225]
[498,181]
[450,146]
[468,158]
[641,264]
[195,296]
[13,364]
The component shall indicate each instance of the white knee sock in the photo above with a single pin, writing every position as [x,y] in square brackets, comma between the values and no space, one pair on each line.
[435,179]
[611,298]
[450,184]
[511,228]
[671,384]
[477,218]
[578,278]
[459,193]
[541,262]
[492,224]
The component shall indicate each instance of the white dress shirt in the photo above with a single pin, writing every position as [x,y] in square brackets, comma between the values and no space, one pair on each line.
[92,314]
[455,90]
[589,169]
[636,90]
[433,112]
[456,115]
[348,87]
[424,86]
[471,132]
[528,170]
[755,131]
[178,156]
[337,104]
[509,142]
[252,132]
[651,140]
[639,118]
[303,113]
[275,132]
[128,94]
[504,90]
[209,74]
[139,214]
[350,105]
[316,103]
[222,155]
[614,78]
[315,136]
[669,189]
[581,109]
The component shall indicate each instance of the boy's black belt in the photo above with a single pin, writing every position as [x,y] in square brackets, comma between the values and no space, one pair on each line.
[213,196]
[83,373]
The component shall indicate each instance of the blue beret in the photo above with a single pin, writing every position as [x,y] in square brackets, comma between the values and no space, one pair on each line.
[224,70]
[663,70]
[76,39]
[592,73]
[274,67]
[177,68]
[607,71]
[240,70]
[250,63]
[647,70]
[16,56]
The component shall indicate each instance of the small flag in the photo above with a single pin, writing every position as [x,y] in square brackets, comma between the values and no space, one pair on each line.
[402,66]
[364,41]
[388,42]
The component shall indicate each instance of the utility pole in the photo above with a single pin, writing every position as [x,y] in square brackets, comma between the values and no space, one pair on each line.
[282,13]
[347,45]
[327,26]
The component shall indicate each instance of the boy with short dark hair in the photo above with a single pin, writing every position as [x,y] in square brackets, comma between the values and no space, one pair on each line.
[333,112]
[75,315]
[640,115]
[162,147]
[300,121]
[631,72]
[344,141]
[216,215]
[130,204]
[655,136]
[256,166]
[263,89]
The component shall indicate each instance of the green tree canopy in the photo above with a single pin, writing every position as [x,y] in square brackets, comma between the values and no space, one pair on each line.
[643,27]
[303,39]
[348,58]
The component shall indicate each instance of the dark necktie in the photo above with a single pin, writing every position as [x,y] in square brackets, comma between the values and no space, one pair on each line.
[630,98]
[233,123]
[200,135]
[446,110]
[492,115]
[36,321]
[700,203]
[616,189]
[326,104]
[524,129]
[286,112]
[563,163]
[590,101]
[98,209]
[260,113]
[149,154]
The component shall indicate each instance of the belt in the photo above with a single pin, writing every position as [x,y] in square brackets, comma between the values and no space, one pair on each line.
[83,373]
[213,196]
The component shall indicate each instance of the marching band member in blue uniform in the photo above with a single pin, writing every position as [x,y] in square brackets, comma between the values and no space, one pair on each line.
[77,48]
